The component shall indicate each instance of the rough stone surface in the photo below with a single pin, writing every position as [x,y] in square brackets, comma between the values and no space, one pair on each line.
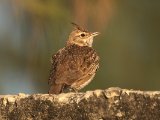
[109,104]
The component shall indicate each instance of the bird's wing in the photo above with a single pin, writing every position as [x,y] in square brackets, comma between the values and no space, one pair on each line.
[72,64]
[68,69]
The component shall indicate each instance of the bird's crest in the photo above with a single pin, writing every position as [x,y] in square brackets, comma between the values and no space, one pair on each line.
[78,27]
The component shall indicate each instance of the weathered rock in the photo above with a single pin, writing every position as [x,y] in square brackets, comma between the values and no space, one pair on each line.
[110,104]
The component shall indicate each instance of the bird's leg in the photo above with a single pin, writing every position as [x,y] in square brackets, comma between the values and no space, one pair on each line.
[75,90]
[68,88]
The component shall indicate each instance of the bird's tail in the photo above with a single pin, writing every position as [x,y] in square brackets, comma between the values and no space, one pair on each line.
[55,88]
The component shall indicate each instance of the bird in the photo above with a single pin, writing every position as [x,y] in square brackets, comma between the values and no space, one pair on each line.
[74,66]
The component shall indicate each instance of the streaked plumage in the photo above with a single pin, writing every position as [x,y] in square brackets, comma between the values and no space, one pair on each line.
[74,66]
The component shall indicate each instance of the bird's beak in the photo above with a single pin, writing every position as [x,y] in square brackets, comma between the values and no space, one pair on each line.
[95,34]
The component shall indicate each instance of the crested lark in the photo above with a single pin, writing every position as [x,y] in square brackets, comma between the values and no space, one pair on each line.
[74,66]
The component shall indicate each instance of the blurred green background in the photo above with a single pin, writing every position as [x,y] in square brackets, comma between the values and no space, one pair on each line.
[32,30]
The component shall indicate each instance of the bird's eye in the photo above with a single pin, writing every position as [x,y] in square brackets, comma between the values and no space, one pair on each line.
[82,35]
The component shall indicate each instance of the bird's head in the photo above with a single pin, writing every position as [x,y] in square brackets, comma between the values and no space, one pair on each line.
[81,37]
